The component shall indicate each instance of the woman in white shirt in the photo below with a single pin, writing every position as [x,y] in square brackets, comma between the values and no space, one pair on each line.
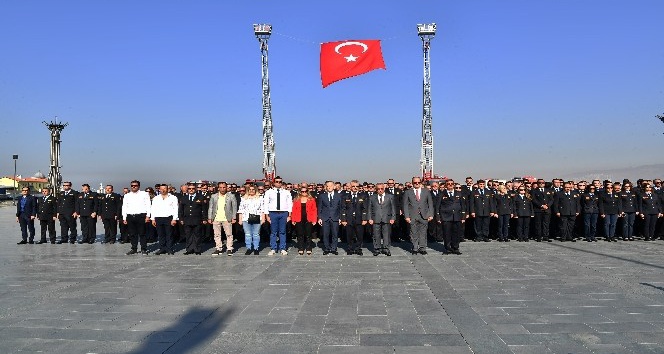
[251,217]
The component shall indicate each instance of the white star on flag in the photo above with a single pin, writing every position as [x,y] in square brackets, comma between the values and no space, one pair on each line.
[350,58]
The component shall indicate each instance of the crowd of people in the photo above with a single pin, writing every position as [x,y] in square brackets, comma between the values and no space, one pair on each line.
[357,213]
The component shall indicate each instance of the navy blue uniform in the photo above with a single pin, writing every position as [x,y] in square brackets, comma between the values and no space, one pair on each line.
[110,211]
[542,199]
[66,209]
[481,204]
[590,209]
[47,209]
[86,205]
[567,205]
[354,212]
[523,211]
[451,212]
[191,212]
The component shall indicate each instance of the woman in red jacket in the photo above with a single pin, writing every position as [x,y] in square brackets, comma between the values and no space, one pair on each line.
[304,216]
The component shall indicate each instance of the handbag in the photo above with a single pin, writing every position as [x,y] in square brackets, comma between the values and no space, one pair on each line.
[254,219]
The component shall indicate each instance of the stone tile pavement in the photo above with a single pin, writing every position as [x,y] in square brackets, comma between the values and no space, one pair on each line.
[495,298]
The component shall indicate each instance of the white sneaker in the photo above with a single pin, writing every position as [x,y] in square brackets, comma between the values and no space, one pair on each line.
[271,253]
[284,253]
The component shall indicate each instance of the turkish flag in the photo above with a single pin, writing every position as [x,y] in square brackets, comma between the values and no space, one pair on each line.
[344,59]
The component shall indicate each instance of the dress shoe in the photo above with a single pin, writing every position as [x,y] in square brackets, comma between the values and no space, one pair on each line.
[256,253]
[349,252]
[53,242]
[387,253]
[248,252]
[160,252]
[507,240]
[22,243]
[122,242]
[131,252]
[456,252]
[91,242]
[422,252]
[573,240]
[188,253]
[486,240]
[548,240]
[171,253]
[59,242]
[144,252]
[80,242]
[335,253]
[72,242]
[197,253]
[375,253]
[325,253]
[40,242]
[614,240]
[31,242]
[358,252]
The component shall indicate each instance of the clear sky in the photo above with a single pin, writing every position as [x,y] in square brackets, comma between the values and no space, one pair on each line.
[170,90]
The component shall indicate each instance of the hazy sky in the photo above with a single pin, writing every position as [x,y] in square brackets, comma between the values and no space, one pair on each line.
[171,91]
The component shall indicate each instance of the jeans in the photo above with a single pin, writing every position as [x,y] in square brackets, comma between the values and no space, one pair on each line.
[503,226]
[590,225]
[251,236]
[610,225]
[628,225]
[278,226]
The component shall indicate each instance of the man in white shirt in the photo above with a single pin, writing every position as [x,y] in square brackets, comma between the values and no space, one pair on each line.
[164,215]
[278,204]
[135,211]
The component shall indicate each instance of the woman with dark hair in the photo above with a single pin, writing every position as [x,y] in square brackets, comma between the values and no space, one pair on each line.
[304,216]
[523,211]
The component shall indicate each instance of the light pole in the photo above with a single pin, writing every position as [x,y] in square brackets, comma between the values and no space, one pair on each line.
[15,157]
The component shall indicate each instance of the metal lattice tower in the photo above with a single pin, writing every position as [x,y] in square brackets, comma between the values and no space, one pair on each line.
[263,32]
[426,33]
[54,177]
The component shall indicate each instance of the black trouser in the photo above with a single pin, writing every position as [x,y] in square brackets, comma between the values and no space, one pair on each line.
[567,227]
[88,228]
[165,233]
[136,231]
[68,228]
[649,226]
[542,220]
[124,235]
[435,231]
[481,227]
[303,231]
[452,235]
[27,224]
[192,235]
[354,236]
[110,229]
[50,225]
[522,227]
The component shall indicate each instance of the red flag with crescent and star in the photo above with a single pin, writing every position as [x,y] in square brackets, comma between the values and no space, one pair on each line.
[344,59]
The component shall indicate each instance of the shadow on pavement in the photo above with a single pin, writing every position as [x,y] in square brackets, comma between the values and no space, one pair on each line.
[192,332]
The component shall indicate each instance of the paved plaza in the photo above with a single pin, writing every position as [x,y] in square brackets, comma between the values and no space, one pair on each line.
[495,298]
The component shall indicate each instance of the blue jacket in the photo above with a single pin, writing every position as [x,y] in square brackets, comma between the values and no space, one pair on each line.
[30,208]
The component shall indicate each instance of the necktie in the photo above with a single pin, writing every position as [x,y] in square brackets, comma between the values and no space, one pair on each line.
[191,197]
[380,199]
[45,199]
[107,195]
[417,194]
[482,192]
[85,195]
[542,190]
[329,197]
[278,199]
[449,194]
[354,198]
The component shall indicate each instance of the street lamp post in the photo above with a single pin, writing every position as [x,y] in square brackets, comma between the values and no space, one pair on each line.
[15,157]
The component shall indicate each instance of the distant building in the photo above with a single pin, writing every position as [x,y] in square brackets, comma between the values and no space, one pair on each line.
[35,183]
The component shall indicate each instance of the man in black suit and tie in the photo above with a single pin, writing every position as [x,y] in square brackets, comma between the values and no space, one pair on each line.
[110,210]
[47,209]
[482,209]
[354,217]
[193,215]
[418,210]
[542,204]
[397,232]
[329,216]
[382,215]
[451,215]
[67,213]
[26,211]
[434,229]
[86,210]
[567,207]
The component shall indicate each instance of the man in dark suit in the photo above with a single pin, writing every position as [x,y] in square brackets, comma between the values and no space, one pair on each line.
[67,214]
[382,214]
[110,210]
[482,209]
[47,209]
[397,232]
[451,215]
[354,207]
[435,229]
[329,215]
[26,211]
[86,210]
[567,207]
[418,210]
[192,213]
[542,204]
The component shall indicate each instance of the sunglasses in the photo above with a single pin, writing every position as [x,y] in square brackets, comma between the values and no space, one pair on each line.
[304,191]
[417,182]
[189,188]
